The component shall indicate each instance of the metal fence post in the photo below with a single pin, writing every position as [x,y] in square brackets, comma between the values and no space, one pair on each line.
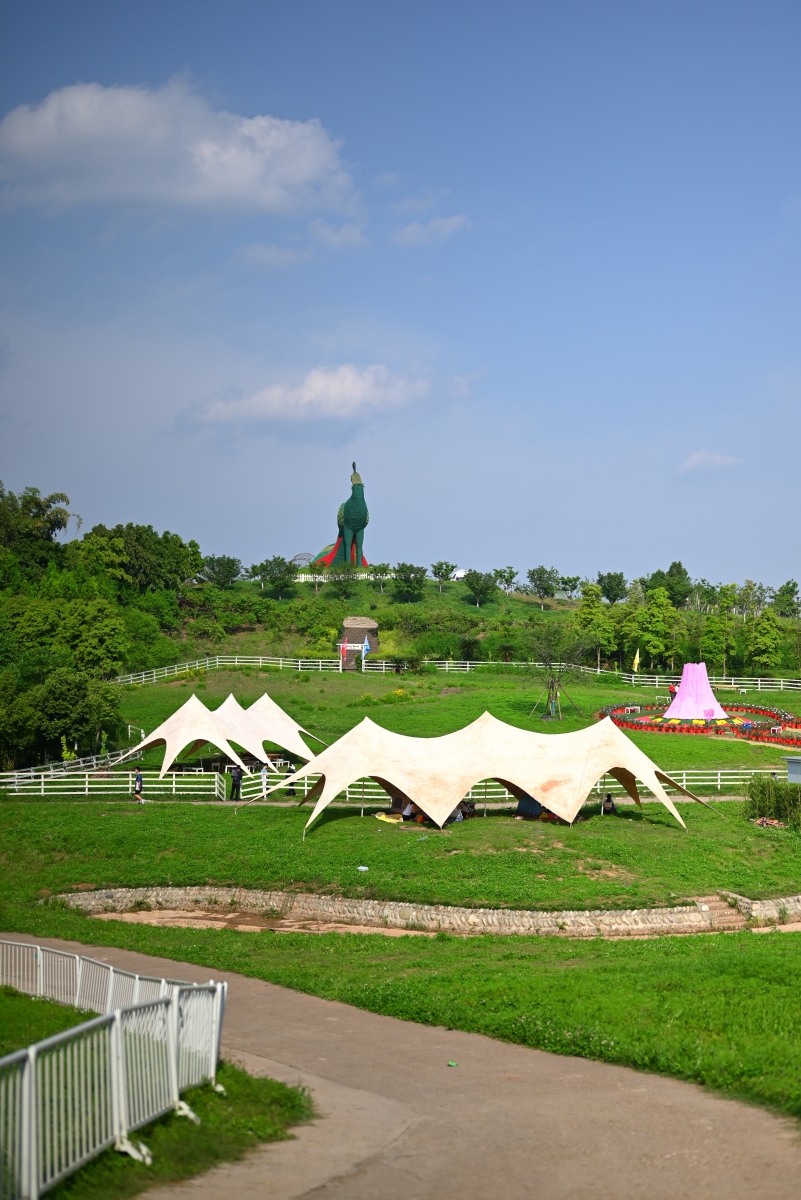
[119,1107]
[30,1134]
[110,991]
[172,1046]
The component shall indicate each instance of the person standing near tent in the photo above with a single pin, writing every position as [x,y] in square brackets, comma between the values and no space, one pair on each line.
[236,783]
[138,785]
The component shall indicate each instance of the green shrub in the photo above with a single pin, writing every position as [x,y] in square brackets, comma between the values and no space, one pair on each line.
[776,799]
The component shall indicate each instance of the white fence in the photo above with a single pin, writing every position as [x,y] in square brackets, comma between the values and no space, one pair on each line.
[66,1099]
[221,661]
[91,763]
[368,794]
[210,784]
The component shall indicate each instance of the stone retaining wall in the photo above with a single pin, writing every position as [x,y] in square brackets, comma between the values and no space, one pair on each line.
[645,922]
[767,912]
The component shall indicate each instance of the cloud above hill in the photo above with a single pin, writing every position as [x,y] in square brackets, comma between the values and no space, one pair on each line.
[340,392]
[89,144]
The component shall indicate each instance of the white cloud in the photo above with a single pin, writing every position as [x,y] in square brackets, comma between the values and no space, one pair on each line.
[438,229]
[387,179]
[90,144]
[704,460]
[338,392]
[339,237]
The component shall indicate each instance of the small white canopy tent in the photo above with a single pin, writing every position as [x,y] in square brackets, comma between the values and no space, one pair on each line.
[274,725]
[193,726]
[559,770]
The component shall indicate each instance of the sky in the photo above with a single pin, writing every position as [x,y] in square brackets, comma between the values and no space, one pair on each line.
[533,266]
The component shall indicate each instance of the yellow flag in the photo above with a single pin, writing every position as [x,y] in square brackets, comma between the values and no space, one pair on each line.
[636,664]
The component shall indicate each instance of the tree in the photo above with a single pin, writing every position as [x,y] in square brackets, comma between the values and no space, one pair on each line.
[506,578]
[557,647]
[380,573]
[409,582]
[318,574]
[221,570]
[765,642]
[96,635]
[275,573]
[569,584]
[592,616]
[676,582]
[481,585]
[442,571]
[152,561]
[713,641]
[655,622]
[613,586]
[344,579]
[544,581]
[785,602]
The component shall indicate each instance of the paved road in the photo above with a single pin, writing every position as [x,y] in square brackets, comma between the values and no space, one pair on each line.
[399,1124]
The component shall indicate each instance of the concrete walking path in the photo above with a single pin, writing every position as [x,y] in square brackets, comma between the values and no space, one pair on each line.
[397,1123]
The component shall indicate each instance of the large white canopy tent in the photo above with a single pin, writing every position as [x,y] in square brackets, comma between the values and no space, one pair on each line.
[559,770]
[194,725]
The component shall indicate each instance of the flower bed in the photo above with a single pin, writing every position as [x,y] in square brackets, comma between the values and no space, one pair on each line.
[759,731]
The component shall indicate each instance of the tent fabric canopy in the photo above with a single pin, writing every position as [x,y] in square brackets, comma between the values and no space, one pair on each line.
[194,725]
[695,700]
[436,773]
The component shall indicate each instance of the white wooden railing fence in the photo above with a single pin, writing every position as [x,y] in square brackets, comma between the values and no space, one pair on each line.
[66,1099]
[210,784]
[219,662]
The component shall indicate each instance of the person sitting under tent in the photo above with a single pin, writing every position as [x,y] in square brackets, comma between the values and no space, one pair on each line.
[608,806]
[528,809]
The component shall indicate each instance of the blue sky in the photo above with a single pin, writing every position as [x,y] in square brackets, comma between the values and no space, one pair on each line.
[534,267]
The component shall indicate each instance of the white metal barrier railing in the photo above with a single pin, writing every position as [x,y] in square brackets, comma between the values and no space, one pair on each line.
[66,1099]
[116,783]
[368,793]
[221,661]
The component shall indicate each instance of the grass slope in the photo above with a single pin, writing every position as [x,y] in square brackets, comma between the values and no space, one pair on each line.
[631,860]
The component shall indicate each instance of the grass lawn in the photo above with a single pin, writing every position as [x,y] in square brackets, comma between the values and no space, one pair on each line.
[25,1019]
[630,860]
[329,704]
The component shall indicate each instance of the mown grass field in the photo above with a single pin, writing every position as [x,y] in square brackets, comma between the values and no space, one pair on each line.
[328,704]
[634,859]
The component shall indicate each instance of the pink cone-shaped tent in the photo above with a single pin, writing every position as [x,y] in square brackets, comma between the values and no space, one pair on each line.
[695,701]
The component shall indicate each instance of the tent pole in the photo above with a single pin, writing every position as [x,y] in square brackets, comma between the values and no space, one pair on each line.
[534,709]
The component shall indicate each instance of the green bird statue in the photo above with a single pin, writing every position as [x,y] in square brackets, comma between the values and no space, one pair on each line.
[352,520]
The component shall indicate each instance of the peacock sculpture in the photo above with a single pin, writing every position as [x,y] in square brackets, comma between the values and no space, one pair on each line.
[352,520]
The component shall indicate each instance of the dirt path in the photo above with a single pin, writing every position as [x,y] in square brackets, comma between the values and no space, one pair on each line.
[400,1124]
